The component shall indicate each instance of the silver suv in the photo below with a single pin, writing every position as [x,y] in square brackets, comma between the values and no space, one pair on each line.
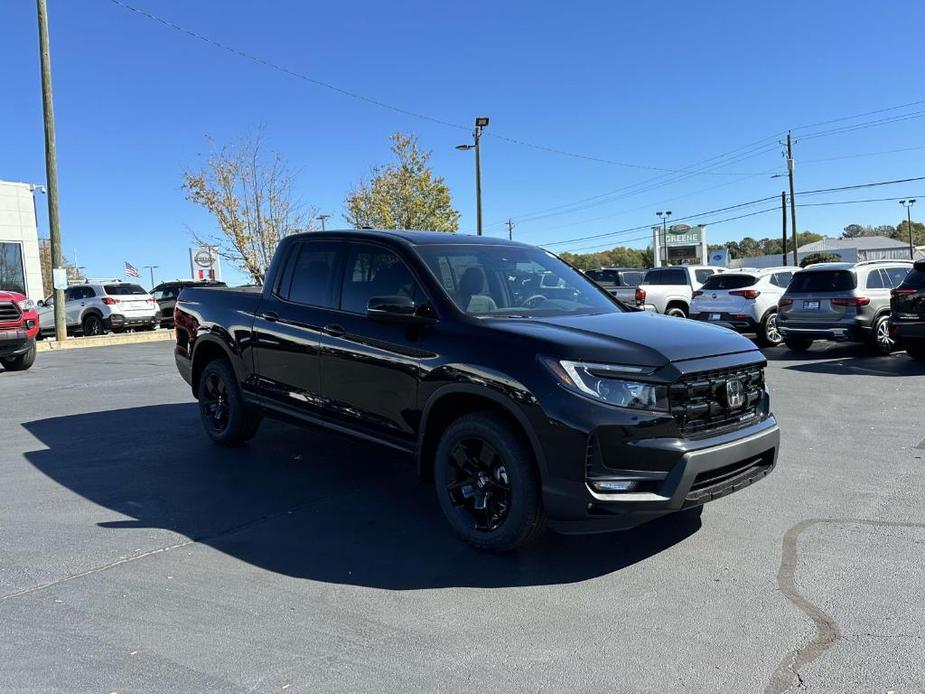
[94,309]
[841,301]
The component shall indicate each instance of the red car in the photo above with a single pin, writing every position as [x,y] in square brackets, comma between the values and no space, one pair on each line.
[19,324]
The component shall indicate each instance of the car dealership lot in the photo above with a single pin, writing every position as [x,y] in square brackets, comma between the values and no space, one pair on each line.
[135,556]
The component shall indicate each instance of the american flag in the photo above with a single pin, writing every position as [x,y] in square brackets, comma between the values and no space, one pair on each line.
[131,270]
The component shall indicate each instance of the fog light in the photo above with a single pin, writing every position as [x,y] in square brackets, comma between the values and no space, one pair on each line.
[613,485]
[30,324]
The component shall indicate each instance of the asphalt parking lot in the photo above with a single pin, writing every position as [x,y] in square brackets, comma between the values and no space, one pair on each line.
[135,556]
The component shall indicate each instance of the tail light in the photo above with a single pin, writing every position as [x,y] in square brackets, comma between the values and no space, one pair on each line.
[747,293]
[640,294]
[109,301]
[696,294]
[903,291]
[850,301]
[784,302]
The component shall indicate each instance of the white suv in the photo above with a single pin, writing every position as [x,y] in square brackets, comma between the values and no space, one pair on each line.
[744,300]
[93,309]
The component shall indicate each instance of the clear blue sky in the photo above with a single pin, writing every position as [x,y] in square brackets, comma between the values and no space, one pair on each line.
[657,84]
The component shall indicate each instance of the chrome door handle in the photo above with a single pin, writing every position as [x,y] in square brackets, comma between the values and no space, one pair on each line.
[334,330]
[271,316]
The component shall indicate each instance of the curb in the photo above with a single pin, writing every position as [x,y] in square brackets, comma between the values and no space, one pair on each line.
[51,345]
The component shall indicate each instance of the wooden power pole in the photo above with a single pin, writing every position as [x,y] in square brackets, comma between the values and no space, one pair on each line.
[783,222]
[51,169]
[510,230]
[793,200]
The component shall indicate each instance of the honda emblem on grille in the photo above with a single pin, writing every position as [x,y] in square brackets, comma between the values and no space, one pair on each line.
[735,394]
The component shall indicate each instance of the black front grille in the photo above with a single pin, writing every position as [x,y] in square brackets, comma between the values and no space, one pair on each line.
[9,312]
[700,402]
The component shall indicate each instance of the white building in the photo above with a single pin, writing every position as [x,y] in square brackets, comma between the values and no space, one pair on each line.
[861,247]
[20,267]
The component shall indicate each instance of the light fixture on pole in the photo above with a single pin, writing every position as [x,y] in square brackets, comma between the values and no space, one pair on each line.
[323,217]
[664,217]
[480,123]
[908,205]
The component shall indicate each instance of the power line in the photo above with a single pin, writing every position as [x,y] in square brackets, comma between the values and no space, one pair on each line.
[863,154]
[861,126]
[860,185]
[860,115]
[391,107]
[856,202]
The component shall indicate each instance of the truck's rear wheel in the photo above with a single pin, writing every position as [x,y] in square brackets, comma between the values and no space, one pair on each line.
[487,484]
[676,311]
[20,362]
[224,415]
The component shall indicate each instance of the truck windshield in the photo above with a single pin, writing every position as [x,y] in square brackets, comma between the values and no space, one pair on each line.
[513,281]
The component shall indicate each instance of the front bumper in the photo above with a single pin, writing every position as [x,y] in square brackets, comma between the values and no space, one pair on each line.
[14,342]
[675,473]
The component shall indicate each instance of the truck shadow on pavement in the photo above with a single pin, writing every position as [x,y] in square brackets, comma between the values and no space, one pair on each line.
[847,359]
[304,503]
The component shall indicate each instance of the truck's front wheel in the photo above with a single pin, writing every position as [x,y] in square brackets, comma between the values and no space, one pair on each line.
[487,484]
[20,362]
[224,415]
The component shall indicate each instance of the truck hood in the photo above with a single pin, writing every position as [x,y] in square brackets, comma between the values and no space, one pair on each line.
[11,296]
[640,338]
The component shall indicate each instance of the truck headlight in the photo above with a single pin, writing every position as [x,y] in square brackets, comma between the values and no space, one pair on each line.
[26,305]
[608,383]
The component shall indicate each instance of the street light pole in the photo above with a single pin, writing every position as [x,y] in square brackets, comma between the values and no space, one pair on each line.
[480,123]
[323,217]
[51,168]
[664,217]
[908,205]
[152,268]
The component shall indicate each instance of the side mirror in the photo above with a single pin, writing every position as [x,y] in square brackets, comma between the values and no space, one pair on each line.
[393,309]
[40,303]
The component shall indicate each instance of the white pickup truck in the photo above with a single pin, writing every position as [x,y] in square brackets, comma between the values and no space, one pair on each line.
[669,290]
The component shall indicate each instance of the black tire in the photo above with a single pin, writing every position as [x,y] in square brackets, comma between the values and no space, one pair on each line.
[676,311]
[92,324]
[20,362]
[880,342]
[481,461]
[769,335]
[798,344]
[915,349]
[224,415]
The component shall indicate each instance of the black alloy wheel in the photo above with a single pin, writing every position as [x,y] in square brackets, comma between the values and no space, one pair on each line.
[92,325]
[479,486]
[213,400]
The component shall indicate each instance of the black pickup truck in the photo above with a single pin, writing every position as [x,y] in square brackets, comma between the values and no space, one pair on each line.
[527,402]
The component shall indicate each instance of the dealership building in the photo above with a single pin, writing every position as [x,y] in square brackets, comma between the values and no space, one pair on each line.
[20,266]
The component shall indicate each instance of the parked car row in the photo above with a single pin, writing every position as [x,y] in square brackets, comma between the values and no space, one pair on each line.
[878,302]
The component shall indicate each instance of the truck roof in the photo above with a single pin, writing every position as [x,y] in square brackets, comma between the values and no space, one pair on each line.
[414,238]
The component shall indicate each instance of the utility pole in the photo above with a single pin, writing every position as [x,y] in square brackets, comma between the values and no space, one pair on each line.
[664,217]
[323,217]
[908,205]
[793,201]
[783,222]
[152,268]
[480,123]
[51,168]
[510,230]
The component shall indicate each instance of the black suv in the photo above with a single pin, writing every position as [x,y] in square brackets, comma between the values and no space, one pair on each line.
[907,312]
[166,293]
[523,390]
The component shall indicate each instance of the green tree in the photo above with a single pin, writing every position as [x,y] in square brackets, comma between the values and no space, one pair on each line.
[404,194]
[918,233]
[853,231]
[819,258]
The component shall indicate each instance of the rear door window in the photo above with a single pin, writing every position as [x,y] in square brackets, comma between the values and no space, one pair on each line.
[822,281]
[876,279]
[314,274]
[666,276]
[781,279]
[726,281]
